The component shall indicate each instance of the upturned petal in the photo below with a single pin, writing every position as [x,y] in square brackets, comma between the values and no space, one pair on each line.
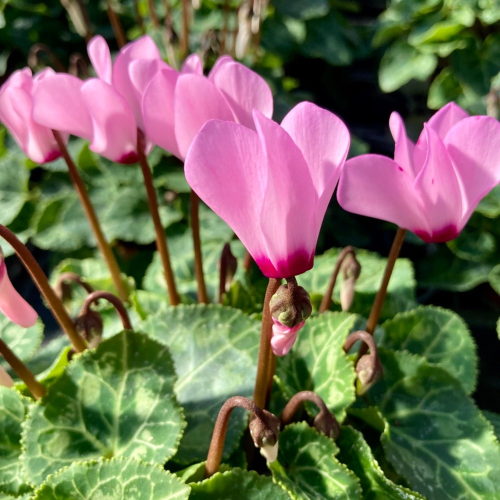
[376,186]
[324,142]
[404,147]
[114,126]
[226,167]
[446,118]
[473,147]
[243,89]
[192,64]
[100,58]
[196,100]
[437,187]
[158,111]
[12,304]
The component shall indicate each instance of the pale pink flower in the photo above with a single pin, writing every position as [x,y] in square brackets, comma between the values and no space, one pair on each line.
[16,104]
[106,110]
[11,303]
[431,187]
[177,104]
[271,183]
[284,337]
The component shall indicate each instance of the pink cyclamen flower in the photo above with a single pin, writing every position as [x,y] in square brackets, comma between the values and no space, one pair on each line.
[11,303]
[16,104]
[106,110]
[272,185]
[284,337]
[431,187]
[176,105]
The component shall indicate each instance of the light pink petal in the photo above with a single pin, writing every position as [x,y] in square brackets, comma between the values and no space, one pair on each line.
[324,142]
[287,214]
[115,130]
[403,150]
[100,58]
[376,186]
[448,116]
[142,73]
[193,65]
[36,141]
[283,337]
[437,187]
[58,104]
[21,78]
[244,90]
[474,148]
[196,100]
[46,72]
[12,304]
[142,48]
[220,61]
[158,111]
[225,166]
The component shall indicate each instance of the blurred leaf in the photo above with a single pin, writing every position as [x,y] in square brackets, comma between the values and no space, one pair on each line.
[490,204]
[444,88]
[494,419]
[13,186]
[473,244]
[438,335]
[402,63]
[302,10]
[307,467]
[24,342]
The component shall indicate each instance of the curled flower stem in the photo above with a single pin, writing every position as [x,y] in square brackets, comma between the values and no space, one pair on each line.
[114,20]
[265,352]
[267,421]
[327,298]
[161,237]
[185,29]
[71,277]
[198,256]
[78,66]
[46,290]
[37,389]
[382,291]
[114,300]
[324,422]
[102,243]
[34,57]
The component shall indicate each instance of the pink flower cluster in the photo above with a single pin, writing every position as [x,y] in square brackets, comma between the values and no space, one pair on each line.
[270,182]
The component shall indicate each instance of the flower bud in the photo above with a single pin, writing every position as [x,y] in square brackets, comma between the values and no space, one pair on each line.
[90,326]
[351,269]
[291,304]
[265,435]
[369,371]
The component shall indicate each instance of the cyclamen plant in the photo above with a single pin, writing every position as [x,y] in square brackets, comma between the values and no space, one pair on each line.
[143,408]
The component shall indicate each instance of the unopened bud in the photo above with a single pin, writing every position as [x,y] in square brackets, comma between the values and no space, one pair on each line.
[89,326]
[291,304]
[369,371]
[270,453]
[265,435]
[327,424]
[351,269]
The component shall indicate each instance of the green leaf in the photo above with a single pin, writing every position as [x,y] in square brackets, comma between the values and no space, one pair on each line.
[115,401]
[494,419]
[302,10]
[438,335]
[317,362]
[307,467]
[215,352]
[24,342]
[494,278]
[357,455]
[13,186]
[47,354]
[115,479]
[489,206]
[474,244]
[402,63]
[435,436]
[400,293]
[237,484]
[13,409]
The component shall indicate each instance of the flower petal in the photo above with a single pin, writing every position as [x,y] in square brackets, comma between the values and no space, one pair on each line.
[192,65]
[403,149]
[115,130]
[196,100]
[12,304]
[287,214]
[244,90]
[324,141]
[376,186]
[58,104]
[225,166]
[473,146]
[448,116]
[158,111]
[100,58]
[220,61]
[438,189]
[142,48]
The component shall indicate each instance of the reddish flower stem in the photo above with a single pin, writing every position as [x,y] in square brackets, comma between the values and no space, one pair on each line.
[114,20]
[198,256]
